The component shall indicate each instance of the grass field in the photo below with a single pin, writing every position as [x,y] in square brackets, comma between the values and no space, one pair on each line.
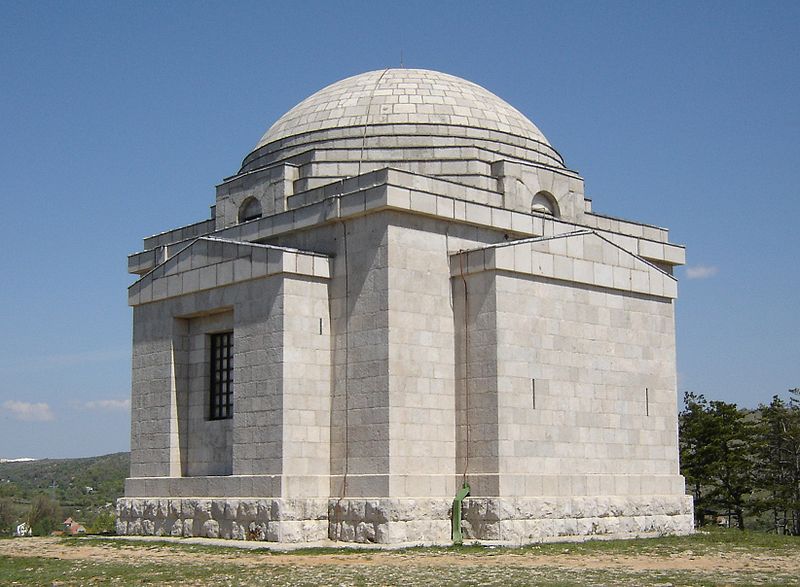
[719,557]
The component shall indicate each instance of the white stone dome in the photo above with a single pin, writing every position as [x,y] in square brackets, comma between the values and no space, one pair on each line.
[433,108]
[402,96]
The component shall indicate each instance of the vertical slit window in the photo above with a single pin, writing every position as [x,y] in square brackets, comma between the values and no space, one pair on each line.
[221,378]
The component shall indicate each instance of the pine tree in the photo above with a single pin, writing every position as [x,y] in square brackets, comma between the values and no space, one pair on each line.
[772,471]
[732,471]
[792,455]
[696,450]
[717,443]
[778,469]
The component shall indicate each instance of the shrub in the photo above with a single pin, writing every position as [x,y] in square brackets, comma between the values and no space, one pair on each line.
[104,523]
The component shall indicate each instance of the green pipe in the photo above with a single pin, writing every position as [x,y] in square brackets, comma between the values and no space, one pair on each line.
[458,537]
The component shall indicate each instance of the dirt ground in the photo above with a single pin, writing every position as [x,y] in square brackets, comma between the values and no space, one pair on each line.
[122,552]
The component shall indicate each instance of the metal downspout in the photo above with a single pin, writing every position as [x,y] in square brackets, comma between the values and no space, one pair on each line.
[461,494]
[458,538]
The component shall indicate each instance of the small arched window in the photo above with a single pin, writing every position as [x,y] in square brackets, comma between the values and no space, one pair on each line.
[544,203]
[249,210]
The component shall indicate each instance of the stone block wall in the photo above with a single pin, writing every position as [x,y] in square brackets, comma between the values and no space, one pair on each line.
[585,380]
[306,388]
[360,420]
[421,365]
[258,392]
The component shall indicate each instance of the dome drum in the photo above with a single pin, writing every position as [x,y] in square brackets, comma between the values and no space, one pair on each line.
[416,136]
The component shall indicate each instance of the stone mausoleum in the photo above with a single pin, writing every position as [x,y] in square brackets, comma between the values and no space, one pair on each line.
[402,290]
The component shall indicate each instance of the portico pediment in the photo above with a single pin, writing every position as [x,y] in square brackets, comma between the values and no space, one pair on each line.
[208,262]
[579,257]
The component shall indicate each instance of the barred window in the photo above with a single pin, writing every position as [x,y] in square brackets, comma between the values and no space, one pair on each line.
[221,379]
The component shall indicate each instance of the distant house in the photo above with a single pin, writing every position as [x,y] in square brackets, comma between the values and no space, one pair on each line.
[73,528]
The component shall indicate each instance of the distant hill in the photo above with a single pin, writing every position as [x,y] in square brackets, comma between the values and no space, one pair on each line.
[85,482]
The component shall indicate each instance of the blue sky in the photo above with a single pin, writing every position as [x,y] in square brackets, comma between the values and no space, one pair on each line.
[117,119]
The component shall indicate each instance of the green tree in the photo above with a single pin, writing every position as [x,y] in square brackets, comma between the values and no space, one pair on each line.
[8,489]
[7,516]
[697,451]
[44,515]
[103,523]
[793,456]
[717,443]
[732,473]
[778,470]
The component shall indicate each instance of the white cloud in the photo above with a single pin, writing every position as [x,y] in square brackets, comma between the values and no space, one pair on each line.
[29,412]
[701,271]
[108,405]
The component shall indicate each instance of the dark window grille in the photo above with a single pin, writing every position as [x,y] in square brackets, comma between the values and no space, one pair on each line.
[221,364]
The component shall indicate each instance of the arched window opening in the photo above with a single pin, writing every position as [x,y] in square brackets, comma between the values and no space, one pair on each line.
[249,210]
[544,203]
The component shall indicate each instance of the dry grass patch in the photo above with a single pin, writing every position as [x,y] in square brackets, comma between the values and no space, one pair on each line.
[720,557]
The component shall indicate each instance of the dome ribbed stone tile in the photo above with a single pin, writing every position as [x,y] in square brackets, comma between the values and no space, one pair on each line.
[392,101]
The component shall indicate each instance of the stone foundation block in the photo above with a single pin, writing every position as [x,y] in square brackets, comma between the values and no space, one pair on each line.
[420,521]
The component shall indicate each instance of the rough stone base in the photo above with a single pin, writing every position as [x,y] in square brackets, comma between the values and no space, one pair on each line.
[421,521]
[390,521]
[539,519]
[274,520]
